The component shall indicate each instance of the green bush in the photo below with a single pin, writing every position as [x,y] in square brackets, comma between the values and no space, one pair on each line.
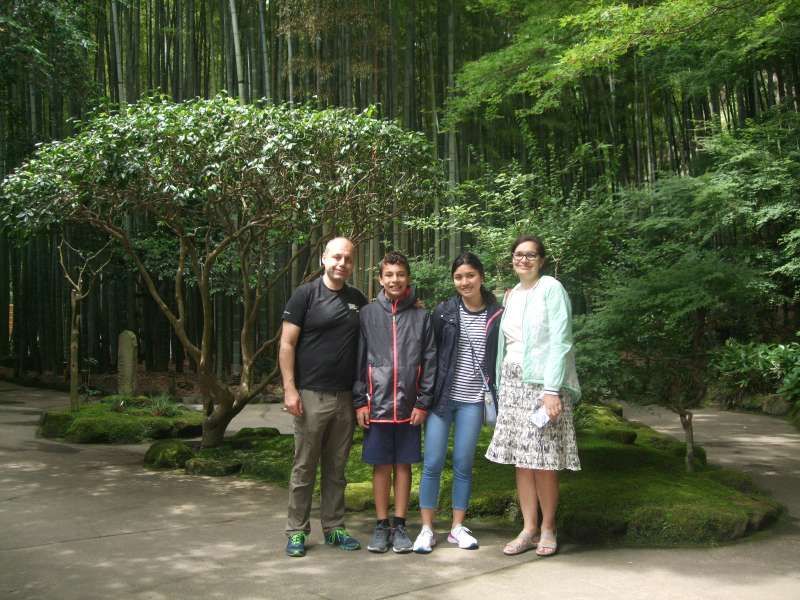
[790,386]
[169,454]
[746,369]
[432,281]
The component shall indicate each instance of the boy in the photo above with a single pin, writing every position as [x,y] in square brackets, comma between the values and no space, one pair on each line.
[392,392]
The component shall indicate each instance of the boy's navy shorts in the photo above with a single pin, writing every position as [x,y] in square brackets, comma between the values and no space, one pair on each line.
[392,444]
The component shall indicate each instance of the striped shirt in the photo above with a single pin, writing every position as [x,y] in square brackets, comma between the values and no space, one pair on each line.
[467,379]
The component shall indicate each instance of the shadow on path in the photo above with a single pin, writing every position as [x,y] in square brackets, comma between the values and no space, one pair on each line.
[89,522]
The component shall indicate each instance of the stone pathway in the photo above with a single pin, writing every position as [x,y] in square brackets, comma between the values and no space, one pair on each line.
[88,522]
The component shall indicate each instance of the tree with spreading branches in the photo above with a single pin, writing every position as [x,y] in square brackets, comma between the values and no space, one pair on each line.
[231,187]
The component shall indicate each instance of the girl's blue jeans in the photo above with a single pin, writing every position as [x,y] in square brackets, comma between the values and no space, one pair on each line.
[467,418]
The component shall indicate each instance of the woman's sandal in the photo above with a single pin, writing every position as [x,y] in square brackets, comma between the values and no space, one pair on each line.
[547,546]
[522,543]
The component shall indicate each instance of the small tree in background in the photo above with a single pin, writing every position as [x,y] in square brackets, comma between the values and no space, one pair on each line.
[80,270]
[662,324]
[233,186]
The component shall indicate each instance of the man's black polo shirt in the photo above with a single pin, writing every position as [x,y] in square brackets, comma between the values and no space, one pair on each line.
[325,357]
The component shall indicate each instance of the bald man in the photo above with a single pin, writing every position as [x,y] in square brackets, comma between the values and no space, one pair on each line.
[318,362]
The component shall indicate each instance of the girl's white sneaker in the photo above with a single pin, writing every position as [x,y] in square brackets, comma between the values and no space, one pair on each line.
[463,537]
[425,541]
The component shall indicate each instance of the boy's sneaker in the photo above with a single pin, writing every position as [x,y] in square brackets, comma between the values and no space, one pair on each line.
[380,539]
[425,541]
[296,546]
[401,543]
[340,537]
[463,537]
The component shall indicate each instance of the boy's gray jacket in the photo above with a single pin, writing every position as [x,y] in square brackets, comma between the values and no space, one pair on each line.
[396,359]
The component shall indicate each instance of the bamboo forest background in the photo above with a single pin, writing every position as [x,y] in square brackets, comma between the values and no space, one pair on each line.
[632,135]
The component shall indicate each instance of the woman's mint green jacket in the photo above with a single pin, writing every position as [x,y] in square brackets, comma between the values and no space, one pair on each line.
[548,348]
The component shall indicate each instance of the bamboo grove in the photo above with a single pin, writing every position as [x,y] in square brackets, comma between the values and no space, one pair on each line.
[573,112]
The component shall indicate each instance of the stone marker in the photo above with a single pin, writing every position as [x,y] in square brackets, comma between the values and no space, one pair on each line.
[127,358]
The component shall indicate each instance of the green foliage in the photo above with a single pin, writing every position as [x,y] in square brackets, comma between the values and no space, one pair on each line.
[205,168]
[164,406]
[753,368]
[30,30]
[790,387]
[747,373]
[559,45]
[168,454]
[432,281]
[120,419]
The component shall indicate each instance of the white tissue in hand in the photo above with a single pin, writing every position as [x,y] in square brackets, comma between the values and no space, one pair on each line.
[540,418]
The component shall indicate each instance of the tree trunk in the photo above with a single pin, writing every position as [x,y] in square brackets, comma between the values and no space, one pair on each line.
[265,88]
[452,150]
[74,346]
[192,63]
[215,424]
[237,48]
[117,52]
[688,431]
[409,89]
[289,70]
[4,296]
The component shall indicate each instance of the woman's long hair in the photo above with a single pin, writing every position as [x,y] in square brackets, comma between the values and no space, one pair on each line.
[468,258]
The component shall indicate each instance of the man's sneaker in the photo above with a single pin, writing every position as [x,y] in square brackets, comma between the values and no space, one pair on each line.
[380,539]
[296,546]
[340,537]
[463,537]
[401,543]
[425,541]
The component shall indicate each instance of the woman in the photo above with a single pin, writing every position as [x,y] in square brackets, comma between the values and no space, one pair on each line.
[537,388]
[466,331]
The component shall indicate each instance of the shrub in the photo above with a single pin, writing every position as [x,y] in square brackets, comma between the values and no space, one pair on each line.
[748,368]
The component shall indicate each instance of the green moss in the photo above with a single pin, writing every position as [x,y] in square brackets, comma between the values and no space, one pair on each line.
[212,466]
[732,479]
[169,454]
[256,432]
[633,488]
[623,436]
[54,424]
[114,420]
[251,437]
[358,496]
[104,430]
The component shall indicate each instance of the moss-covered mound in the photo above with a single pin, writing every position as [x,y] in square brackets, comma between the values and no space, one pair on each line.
[633,488]
[168,454]
[122,420]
